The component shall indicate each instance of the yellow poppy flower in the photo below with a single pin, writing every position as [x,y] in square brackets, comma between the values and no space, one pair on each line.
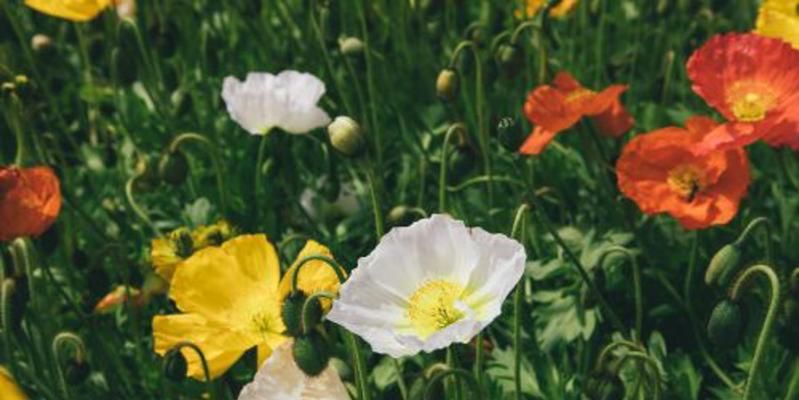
[531,7]
[73,10]
[779,19]
[167,252]
[8,388]
[211,235]
[314,277]
[229,296]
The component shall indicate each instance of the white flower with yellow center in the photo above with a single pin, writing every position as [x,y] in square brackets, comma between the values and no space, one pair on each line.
[280,379]
[286,101]
[428,285]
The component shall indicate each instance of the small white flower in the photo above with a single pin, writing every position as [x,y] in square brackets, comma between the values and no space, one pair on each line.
[280,379]
[428,285]
[265,101]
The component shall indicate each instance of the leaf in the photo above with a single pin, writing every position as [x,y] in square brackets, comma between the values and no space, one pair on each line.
[385,374]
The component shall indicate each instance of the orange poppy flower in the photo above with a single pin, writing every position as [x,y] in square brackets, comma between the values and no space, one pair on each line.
[30,199]
[556,108]
[660,172]
[753,81]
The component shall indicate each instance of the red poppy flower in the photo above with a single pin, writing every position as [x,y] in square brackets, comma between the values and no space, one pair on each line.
[661,173]
[754,82]
[556,108]
[30,199]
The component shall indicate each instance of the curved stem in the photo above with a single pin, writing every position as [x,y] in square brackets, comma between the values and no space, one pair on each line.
[793,387]
[305,316]
[400,380]
[647,360]
[442,177]
[135,206]
[333,264]
[737,287]
[484,178]
[212,151]
[480,103]
[639,302]
[767,228]
[67,338]
[514,38]
[459,373]
[210,387]
[13,121]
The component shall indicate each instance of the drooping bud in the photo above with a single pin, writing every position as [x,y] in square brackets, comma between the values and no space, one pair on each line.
[292,313]
[175,365]
[76,371]
[447,84]
[345,135]
[397,215]
[350,46]
[310,354]
[509,59]
[41,43]
[725,326]
[173,168]
[723,265]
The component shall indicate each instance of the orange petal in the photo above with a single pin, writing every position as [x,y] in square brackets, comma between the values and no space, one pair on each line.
[537,141]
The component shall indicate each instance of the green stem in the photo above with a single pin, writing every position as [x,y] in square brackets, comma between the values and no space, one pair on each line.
[212,151]
[400,379]
[639,301]
[208,382]
[517,232]
[306,310]
[258,171]
[442,177]
[333,264]
[766,226]
[370,85]
[484,178]
[360,366]
[135,206]
[14,123]
[482,135]
[793,387]
[459,373]
[67,338]
[378,213]
[737,287]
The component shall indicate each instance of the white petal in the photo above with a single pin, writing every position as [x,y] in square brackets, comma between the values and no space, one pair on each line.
[280,379]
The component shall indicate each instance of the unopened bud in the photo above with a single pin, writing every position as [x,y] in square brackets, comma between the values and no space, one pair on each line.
[175,365]
[726,324]
[41,43]
[345,135]
[350,46]
[509,58]
[76,371]
[184,244]
[397,214]
[173,168]
[723,265]
[447,84]
[310,354]
[292,313]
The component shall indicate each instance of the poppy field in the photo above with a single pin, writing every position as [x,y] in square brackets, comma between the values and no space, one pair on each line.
[399,199]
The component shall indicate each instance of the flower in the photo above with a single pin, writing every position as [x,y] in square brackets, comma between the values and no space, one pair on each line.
[279,378]
[779,19]
[752,81]
[231,298]
[556,108]
[314,277]
[428,285]
[265,101]
[30,200]
[166,253]
[119,296]
[660,172]
[73,10]
[8,388]
[532,7]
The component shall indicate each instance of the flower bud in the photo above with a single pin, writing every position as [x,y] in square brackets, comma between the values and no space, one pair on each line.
[292,313]
[345,135]
[175,365]
[508,56]
[725,326]
[76,371]
[310,354]
[723,265]
[350,46]
[173,168]
[147,174]
[397,215]
[447,84]
[15,292]
[41,43]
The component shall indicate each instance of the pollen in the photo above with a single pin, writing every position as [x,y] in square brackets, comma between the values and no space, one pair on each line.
[432,307]
[750,102]
[686,181]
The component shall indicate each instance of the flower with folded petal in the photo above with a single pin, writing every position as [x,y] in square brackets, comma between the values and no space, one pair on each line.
[532,7]
[555,108]
[314,277]
[8,388]
[118,297]
[287,101]
[30,200]
[753,82]
[660,172]
[428,285]
[779,19]
[73,10]
[279,378]
[166,253]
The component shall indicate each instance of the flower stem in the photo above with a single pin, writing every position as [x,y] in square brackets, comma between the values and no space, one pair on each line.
[190,136]
[258,170]
[209,384]
[136,207]
[793,387]
[737,287]
[67,338]
[766,227]
[517,232]
[442,177]
[639,302]
[360,366]
[378,213]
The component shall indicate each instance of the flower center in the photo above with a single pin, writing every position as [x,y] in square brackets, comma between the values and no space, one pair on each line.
[578,95]
[685,181]
[432,307]
[750,102]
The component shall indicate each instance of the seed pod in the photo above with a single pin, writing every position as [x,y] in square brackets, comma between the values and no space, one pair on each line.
[310,354]
[350,46]
[76,371]
[173,168]
[722,265]
[175,365]
[345,135]
[725,326]
[447,84]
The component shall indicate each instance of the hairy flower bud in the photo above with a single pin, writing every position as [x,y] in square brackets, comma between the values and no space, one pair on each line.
[173,168]
[447,84]
[726,324]
[292,313]
[76,371]
[310,354]
[345,135]
[509,59]
[722,265]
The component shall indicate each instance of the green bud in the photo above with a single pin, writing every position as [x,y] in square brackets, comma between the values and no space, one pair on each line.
[175,365]
[397,214]
[345,135]
[350,46]
[75,371]
[447,84]
[509,58]
[15,291]
[310,354]
[292,313]
[723,265]
[725,326]
[173,167]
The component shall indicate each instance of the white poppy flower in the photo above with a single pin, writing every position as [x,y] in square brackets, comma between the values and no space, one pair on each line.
[428,285]
[280,379]
[265,101]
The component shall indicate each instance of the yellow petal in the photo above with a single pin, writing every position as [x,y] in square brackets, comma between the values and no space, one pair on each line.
[164,258]
[220,345]
[8,388]
[315,276]
[773,22]
[229,284]
[73,10]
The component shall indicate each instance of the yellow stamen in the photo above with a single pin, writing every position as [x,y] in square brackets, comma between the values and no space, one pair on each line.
[750,101]
[432,307]
[686,181]
[578,95]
